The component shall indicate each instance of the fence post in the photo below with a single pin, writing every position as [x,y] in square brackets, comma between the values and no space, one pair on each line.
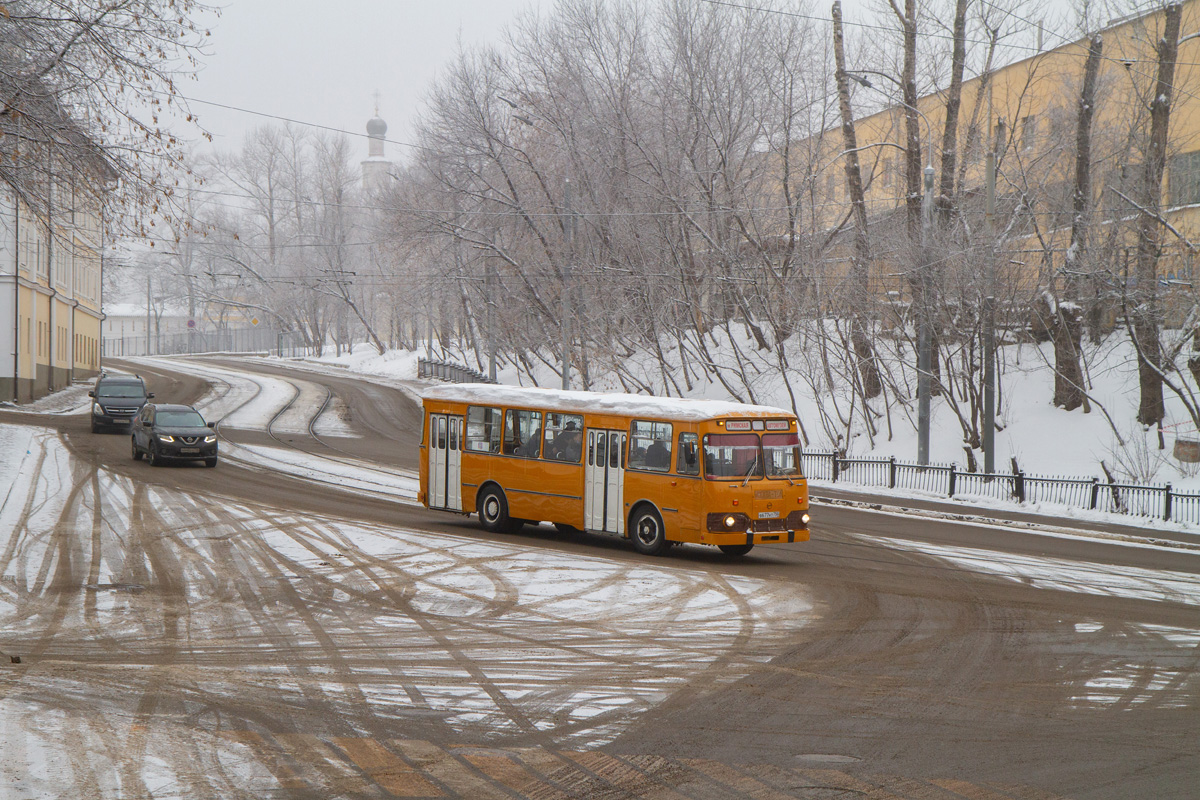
[891,472]
[833,456]
[1167,503]
[953,479]
[1019,485]
[1095,492]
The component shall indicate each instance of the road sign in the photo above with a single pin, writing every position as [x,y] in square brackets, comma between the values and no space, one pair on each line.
[254,321]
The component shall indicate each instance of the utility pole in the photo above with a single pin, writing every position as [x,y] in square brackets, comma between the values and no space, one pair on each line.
[568,282]
[989,318]
[148,315]
[924,337]
[490,293]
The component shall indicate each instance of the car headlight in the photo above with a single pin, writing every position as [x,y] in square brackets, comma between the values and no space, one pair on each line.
[96,409]
[162,437]
[209,439]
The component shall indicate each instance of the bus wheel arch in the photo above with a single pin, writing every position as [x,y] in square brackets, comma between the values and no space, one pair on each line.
[646,529]
[492,505]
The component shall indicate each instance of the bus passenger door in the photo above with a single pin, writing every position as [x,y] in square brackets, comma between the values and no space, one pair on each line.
[454,464]
[604,489]
[445,461]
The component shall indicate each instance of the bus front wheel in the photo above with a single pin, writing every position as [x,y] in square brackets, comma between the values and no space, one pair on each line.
[649,538]
[735,549]
[493,511]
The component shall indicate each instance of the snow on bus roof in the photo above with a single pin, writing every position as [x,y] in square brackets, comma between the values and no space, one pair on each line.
[487,394]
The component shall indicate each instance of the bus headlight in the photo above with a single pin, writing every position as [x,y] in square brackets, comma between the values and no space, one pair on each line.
[729,522]
[805,518]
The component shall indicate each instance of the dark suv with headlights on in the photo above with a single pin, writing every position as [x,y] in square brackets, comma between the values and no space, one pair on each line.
[164,432]
[116,400]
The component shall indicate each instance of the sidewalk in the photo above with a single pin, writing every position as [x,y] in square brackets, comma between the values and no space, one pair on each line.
[1056,518]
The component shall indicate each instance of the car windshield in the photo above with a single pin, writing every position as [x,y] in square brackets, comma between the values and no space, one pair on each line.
[782,454]
[121,390]
[731,455]
[180,419]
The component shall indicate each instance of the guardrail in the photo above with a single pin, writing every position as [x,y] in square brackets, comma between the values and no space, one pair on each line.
[449,371]
[1134,500]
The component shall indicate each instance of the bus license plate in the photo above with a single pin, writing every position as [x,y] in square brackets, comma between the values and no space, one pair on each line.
[768,515]
[189,450]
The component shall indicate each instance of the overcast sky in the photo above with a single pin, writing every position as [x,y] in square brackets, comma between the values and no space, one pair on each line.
[321,62]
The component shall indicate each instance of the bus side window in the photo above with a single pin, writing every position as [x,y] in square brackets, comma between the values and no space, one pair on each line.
[562,437]
[688,462]
[483,429]
[650,446]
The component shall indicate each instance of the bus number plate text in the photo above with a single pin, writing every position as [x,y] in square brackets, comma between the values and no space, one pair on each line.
[768,515]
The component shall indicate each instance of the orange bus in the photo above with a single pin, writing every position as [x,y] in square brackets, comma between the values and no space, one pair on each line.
[654,470]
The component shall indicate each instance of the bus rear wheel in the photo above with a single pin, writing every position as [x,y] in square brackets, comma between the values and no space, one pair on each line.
[648,535]
[493,511]
[735,549]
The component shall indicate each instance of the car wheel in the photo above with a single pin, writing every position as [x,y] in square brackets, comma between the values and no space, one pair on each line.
[648,535]
[153,457]
[735,549]
[210,462]
[493,511]
[137,454]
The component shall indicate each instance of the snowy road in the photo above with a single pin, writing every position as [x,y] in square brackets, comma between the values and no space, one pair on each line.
[291,624]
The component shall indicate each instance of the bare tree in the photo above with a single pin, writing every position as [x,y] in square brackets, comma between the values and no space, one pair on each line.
[1144,303]
[96,80]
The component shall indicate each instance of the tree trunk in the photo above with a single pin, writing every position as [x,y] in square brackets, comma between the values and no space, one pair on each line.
[1145,308]
[1066,331]
[864,352]
[953,104]
[912,125]
[1066,321]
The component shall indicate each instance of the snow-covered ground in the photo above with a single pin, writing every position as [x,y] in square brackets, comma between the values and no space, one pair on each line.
[1045,440]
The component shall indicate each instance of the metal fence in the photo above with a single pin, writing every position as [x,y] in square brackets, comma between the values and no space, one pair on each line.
[449,371]
[948,480]
[231,340]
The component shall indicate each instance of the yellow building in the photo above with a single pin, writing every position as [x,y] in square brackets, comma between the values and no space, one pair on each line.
[1030,109]
[50,281]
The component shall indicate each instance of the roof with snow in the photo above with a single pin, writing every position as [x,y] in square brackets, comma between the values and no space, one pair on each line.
[486,394]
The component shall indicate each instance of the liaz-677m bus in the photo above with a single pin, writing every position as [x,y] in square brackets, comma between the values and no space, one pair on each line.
[653,470]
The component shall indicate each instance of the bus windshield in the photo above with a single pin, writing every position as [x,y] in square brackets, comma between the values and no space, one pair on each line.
[732,455]
[782,454]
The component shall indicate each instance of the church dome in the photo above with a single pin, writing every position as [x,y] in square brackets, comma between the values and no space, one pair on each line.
[376,127]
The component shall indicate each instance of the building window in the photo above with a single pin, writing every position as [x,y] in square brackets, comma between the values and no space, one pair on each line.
[1184,187]
[1029,130]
